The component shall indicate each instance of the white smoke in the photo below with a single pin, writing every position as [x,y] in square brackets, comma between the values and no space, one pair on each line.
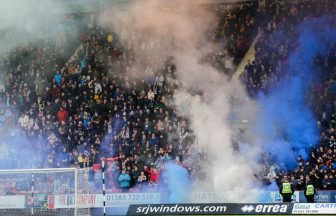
[24,21]
[29,23]
[160,29]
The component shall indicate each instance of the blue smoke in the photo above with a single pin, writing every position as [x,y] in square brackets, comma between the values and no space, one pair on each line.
[104,150]
[21,152]
[265,196]
[177,183]
[286,121]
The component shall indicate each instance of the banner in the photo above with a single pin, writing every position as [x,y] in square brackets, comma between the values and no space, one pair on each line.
[298,196]
[97,200]
[211,209]
[12,202]
[314,208]
[220,197]
[182,209]
[275,197]
[36,201]
[125,199]
[320,197]
[68,201]
[208,197]
[333,197]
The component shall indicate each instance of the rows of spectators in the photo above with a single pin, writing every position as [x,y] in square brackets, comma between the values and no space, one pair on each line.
[25,74]
[139,133]
[277,19]
[237,27]
[76,113]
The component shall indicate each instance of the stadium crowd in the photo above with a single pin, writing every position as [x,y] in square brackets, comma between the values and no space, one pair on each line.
[76,113]
[268,68]
[237,27]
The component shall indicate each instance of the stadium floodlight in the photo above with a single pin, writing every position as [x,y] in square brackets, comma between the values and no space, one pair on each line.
[43,191]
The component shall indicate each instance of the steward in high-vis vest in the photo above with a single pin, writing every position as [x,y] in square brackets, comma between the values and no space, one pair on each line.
[309,192]
[286,191]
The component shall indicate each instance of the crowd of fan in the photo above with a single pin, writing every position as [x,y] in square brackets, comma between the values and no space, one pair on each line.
[237,27]
[124,118]
[76,113]
[276,19]
[24,76]
[271,56]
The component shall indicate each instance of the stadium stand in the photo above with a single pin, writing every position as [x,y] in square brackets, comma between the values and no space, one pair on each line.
[266,70]
[76,113]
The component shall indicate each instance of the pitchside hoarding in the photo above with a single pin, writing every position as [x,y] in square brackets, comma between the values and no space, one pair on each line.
[265,197]
[181,209]
[97,200]
[123,200]
[12,202]
[314,208]
[212,209]
[233,209]
[321,197]
[219,197]
[275,197]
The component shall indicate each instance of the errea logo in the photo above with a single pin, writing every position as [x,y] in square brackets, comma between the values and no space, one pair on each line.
[247,208]
[273,208]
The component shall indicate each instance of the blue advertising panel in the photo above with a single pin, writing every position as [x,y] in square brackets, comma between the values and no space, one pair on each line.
[320,197]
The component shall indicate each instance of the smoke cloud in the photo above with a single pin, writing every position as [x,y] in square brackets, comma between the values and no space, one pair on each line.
[287,123]
[35,25]
[180,30]
[26,21]
[177,183]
